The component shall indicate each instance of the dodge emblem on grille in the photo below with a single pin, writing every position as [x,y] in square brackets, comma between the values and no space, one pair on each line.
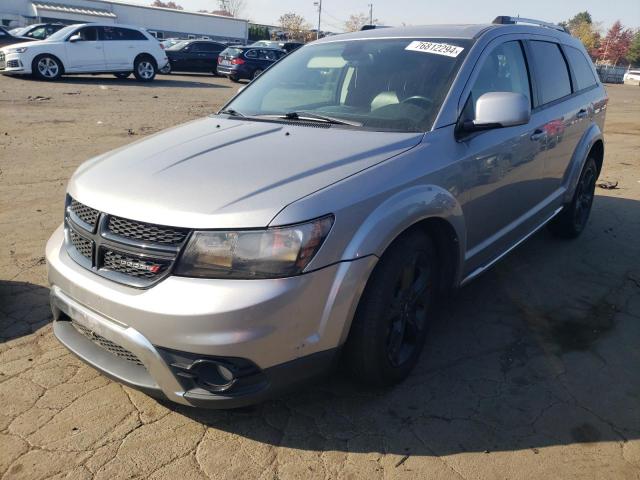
[138,265]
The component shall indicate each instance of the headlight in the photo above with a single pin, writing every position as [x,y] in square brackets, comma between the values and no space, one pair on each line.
[269,253]
[17,50]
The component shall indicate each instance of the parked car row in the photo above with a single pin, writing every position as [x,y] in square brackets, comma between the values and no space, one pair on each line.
[55,49]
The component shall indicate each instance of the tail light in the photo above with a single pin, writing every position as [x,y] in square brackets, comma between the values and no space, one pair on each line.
[237,61]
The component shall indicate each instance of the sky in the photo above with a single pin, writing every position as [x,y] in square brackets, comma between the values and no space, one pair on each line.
[420,12]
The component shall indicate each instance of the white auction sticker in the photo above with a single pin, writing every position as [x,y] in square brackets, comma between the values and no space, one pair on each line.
[436,48]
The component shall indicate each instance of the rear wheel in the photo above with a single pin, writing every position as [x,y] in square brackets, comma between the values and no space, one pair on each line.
[256,74]
[166,70]
[572,220]
[390,326]
[122,74]
[47,67]
[145,69]
[234,79]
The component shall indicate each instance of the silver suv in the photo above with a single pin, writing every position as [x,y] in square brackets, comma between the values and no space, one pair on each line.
[325,209]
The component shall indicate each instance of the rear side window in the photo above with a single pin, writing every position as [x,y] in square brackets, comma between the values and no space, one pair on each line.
[231,52]
[503,70]
[550,70]
[251,54]
[115,33]
[581,67]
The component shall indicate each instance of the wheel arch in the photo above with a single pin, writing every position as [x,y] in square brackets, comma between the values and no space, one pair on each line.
[46,54]
[592,142]
[143,55]
[427,207]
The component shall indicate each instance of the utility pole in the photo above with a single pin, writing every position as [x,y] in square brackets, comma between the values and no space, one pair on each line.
[371,14]
[319,5]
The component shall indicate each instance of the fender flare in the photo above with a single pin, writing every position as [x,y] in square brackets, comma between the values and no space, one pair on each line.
[580,154]
[400,212]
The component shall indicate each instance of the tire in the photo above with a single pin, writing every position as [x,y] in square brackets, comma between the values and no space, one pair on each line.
[167,69]
[391,322]
[572,220]
[234,79]
[145,68]
[47,67]
[122,75]
[256,74]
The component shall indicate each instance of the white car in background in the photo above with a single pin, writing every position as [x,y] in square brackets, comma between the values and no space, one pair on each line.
[632,77]
[87,48]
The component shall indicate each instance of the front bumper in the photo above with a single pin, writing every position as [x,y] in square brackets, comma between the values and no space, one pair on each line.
[273,332]
[13,63]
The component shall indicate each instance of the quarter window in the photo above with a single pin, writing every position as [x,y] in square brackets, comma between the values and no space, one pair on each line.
[550,69]
[118,34]
[581,67]
[503,70]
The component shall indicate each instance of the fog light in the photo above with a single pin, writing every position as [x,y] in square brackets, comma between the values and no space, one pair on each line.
[212,376]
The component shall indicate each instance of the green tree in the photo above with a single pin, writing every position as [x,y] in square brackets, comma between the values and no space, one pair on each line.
[633,55]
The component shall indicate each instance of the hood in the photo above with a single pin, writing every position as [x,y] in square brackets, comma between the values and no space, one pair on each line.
[226,173]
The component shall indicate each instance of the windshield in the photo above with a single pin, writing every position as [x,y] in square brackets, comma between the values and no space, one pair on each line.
[179,45]
[386,84]
[61,34]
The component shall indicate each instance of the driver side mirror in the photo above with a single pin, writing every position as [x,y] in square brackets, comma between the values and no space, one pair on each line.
[75,38]
[498,110]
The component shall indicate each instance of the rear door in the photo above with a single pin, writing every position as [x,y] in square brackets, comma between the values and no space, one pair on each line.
[121,46]
[558,116]
[86,54]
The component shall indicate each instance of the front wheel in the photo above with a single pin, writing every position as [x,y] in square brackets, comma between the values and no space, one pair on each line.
[572,220]
[390,325]
[145,69]
[47,67]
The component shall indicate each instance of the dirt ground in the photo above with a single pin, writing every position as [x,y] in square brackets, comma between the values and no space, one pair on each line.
[532,372]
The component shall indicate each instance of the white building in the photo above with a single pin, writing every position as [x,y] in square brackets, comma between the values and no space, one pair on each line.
[161,22]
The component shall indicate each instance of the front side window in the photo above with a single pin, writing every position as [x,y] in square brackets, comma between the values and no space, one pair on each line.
[503,70]
[88,34]
[581,67]
[550,70]
[39,33]
[381,84]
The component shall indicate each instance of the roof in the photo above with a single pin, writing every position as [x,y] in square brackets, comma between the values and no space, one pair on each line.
[59,7]
[426,31]
[465,32]
[188,12]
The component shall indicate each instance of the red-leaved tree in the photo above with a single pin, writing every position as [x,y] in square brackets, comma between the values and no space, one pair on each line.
[615,46]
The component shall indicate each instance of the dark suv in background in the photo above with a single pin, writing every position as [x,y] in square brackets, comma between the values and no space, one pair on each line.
[247,62]
[193,56]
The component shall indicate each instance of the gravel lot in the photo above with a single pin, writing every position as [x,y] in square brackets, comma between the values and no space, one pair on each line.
[532,372]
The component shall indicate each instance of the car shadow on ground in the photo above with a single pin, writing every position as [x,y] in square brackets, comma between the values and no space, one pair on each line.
[24,308]
[159,82]
[541,350]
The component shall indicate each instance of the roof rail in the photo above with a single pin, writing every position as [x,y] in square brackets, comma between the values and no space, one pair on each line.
[506,20]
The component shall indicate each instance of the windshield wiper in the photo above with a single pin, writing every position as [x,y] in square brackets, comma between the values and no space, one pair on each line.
[232,112]
[302,115]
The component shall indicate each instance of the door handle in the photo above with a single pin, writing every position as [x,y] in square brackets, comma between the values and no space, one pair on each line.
[538,134]
[582,113]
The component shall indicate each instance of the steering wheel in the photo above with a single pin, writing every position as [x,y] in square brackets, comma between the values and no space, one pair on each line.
[419,101]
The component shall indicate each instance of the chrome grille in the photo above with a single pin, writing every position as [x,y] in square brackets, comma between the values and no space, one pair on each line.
[82,245]
[133,265]
[107,344]
[125,251]
[1,61]
[87,214]
[147,232]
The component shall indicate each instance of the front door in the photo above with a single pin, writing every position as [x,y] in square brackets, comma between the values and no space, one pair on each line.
[501,167]
[87,53]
